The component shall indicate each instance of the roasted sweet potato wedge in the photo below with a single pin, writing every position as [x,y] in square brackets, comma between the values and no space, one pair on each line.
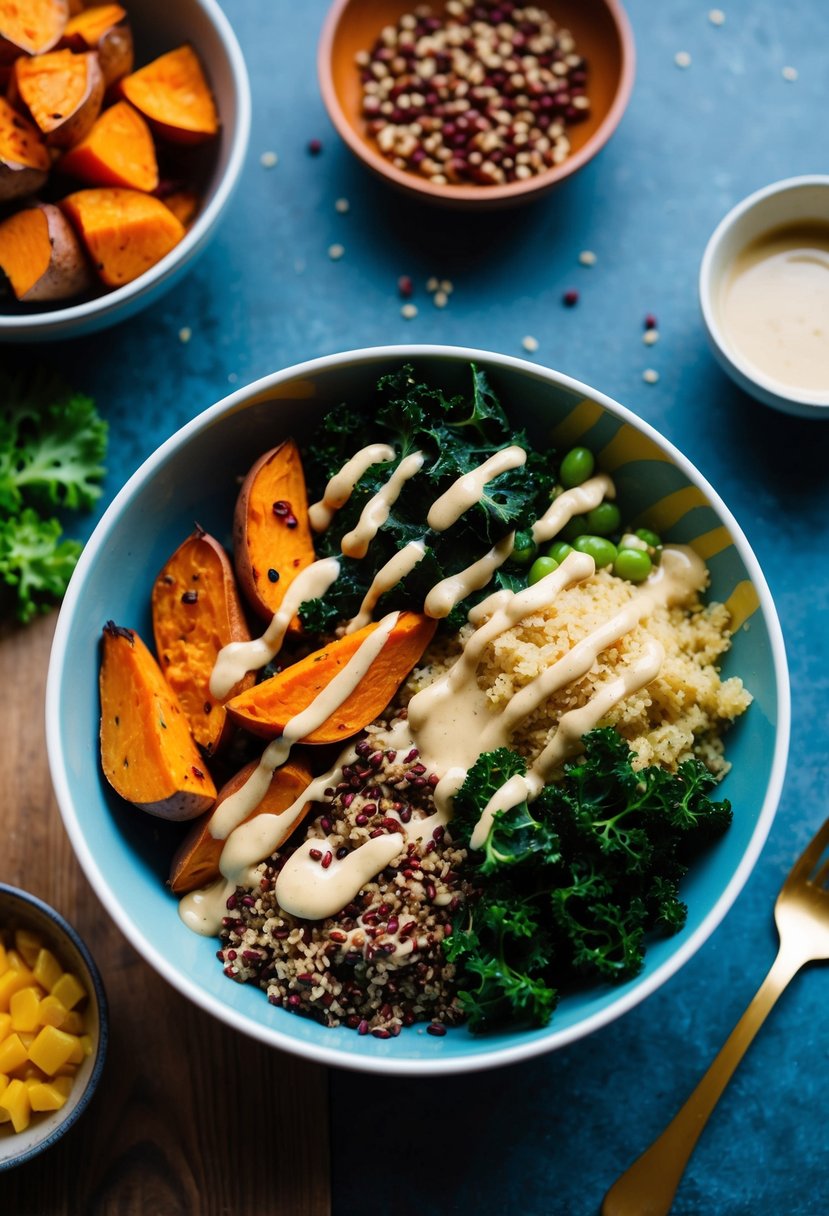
[173,95]
[104,29]
[266,709]
[272,539]
[24,158]
[147,751]
[196,611]
[41,256]
[196,861]
[62,91]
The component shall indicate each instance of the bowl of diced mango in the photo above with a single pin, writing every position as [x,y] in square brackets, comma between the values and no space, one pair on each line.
[53,1026]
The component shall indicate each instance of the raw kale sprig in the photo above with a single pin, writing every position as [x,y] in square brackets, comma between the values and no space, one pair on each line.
[52,443]
[572,882]
[456,433]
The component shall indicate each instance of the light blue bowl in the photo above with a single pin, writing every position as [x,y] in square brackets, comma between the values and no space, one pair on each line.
[158,26]
[193,476]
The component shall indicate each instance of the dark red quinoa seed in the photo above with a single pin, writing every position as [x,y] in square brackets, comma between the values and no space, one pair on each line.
[481,95]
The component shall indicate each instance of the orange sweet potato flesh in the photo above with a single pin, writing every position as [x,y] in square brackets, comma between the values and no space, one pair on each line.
[196,861]
[266,708]
[147,752]
[40,255]
[62,91]
[196,611]
[104,29]
[31,26]
[184,205]
[125,231]
[272,539]
[117,151]
[173,94]
[24,158]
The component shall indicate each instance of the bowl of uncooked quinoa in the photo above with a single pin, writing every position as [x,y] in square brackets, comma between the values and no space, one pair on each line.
[508,750]
[476,103]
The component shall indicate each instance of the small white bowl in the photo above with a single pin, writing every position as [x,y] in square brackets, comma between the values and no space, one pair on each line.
[781,204]
[158,26]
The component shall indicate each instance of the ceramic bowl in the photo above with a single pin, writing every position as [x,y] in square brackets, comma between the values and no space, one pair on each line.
[796,200]
[602,35]
[193,475]
[20,910]
[159,26]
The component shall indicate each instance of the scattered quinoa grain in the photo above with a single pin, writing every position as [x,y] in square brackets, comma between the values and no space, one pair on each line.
[335,252]
[570,298]
[268,159]
[650,336]
[185,334]
[342,205]
[408,311]
[447,286]
[587,257]
[530,344]
[682,59]
[650,321]
[440,299]
[650,376]
[790,73]
[432,284]
[405,286]
[314,147]
[716,16]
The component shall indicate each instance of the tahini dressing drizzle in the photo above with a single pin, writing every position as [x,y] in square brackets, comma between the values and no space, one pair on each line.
[450,721]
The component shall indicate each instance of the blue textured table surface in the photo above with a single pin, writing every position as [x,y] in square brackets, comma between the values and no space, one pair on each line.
[550,1136]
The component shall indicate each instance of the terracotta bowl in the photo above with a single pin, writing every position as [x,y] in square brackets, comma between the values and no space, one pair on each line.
[602,35]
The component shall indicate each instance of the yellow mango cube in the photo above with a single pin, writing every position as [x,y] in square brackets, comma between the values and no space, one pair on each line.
[4,962]
[28,945]
[15,1105]
[52,1048]
[4,1080]
[52,1012]
[10,982]
[47,969]
[63,1084]
[23,1007]
[74,1022]
[5,1025]
[44,1095]
[17,963]
[13,1053]
[77,1055]
[69,990]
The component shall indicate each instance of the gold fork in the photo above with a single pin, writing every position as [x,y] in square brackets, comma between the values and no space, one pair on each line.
[801,913]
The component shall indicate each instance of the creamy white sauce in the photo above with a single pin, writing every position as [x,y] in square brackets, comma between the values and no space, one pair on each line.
[388,576]
[450,591]
[304,888]
[774,306]
[376,511]
[468,490]
[572,502]
[341,486]
[236,659]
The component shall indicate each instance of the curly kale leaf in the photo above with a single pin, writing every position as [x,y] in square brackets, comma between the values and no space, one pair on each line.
[35,564]
[455,434]
[582,874]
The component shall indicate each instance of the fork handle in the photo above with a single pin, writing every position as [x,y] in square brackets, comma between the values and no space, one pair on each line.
[648,1187]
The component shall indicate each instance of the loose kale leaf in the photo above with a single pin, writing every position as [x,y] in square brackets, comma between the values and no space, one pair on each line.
[35,564]
[572,883]
[455,434]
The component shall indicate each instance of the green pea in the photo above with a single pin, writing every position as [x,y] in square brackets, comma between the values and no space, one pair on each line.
[601,550]
[650,538]
[632,564]
[559,550]
[524,549]
[576,467]
[604,519]
[577,526]
[541,567]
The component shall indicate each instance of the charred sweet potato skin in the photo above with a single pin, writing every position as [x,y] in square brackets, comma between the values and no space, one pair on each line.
[272,540]
[196,610]
[106,30]
[266,709]
[41,256]
[196,861]
[147,751]
[24,158]
[63,92]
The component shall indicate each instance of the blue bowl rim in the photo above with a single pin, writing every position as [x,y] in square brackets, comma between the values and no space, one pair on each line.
[80,945]
[57,320]
[478,1061]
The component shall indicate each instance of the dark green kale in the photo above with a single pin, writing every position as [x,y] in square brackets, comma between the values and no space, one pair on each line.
[573,881]
[455,434]
[52,443]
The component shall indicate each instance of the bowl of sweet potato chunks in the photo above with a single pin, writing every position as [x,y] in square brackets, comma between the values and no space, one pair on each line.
[123,129]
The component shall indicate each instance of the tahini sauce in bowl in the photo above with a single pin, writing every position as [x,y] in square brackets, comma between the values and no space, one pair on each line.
[764,292]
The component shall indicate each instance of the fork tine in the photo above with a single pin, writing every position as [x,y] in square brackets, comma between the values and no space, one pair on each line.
[810,856]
